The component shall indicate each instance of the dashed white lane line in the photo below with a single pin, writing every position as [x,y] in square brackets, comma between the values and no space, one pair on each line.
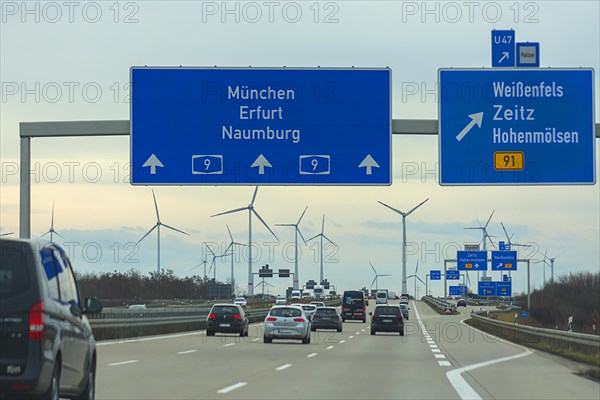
[436,351]
[228,344]
[444,363]
[342,341]
[122,363]
[284,366]
[186,352]
[439,356]
[350,337]
[232,387]
[433,346]
[311,355]
[256,340]
[329,347]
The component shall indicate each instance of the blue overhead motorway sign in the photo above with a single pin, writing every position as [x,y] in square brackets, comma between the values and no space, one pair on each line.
[260,126]
[486,288]
[456,290]
[504,260]
[504,288]
[471,260]
[516,126]
[435,275]
[503,48]
[452,274]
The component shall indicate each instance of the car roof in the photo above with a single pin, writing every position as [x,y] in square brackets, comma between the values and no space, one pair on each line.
[225,305]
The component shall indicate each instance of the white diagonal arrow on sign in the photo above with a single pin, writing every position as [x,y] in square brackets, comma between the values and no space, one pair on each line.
[368,163]
[152,162]
[261,162]
[504,56]
[476,118]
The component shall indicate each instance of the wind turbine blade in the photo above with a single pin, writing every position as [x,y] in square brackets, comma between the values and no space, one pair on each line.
[298,229]
[323,225]
[385,275]
[175,229]
[196,266]
[489,219]
[416,269]
[209,249]
[314,237]
[372,267]
[155,206]
[147,233]
[264,223]
[230,211]
[58,234]
[474,227]
[52,221]
[419,205]
[506,233]
[329,240]
[372,283]
[254,196]
[230,235]
[285,225]
[42,235]
[228,247]
[391,208]
[478,221]
[303,212]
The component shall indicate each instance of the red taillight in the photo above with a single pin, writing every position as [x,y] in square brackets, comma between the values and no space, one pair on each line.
[375,315]
[399,316]
[20,386]
[212,316]
[271,319]
[342,309]
[316,316]
[237,316]
[299,320]
[364,310]
[335,317]
[36,321]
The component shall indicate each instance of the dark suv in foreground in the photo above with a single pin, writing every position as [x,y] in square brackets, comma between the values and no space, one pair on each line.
[387,318]
[47,349]
[227,318]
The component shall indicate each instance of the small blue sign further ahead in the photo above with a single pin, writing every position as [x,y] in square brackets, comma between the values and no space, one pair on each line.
[516,127]
[260,126]
[435,275]
[452,274]
[457,291]
[503,48]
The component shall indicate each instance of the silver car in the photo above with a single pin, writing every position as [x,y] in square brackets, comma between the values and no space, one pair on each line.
[287,322]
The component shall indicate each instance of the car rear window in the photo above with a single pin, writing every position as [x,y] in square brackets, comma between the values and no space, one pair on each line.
[326,311]
[15,276]
[310,308]
[381,295]
[225,310]
[354,299]
[387,310]
[285,312]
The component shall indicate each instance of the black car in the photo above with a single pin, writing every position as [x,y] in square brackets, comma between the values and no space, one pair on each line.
[354,305]
[461,303]
[387,318]
[227,318]
[404,309]
[47,348]
[326,318]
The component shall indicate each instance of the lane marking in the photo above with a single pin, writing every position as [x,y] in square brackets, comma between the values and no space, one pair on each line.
[444,363]
[350,337]
[186,352]
[433,346]
[436,351]
[284,366]
[311,355]
[256,340]
[232,387]
[329,348]
[463,389]
[439,356]
[228,344]
[122,363]
[342,341]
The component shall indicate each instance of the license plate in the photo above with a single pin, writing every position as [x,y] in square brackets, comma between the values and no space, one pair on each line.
[225,325]
[284,332]
[387,320]
[357,313]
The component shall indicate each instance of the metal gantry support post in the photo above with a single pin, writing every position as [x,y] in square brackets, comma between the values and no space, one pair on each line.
[528,261]
[426,285]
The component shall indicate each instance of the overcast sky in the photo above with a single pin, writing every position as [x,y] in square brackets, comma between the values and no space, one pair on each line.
[71,62]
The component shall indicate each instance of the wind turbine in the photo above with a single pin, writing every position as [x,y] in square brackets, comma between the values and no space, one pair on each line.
[52,231]
[263,283]
[322,236]
[485,238]
[508,238]
[231,245]
[213,263]
[251,210]
[202,263]
[549,264]
[157,227]
[296,232]
[376,279]
[404,215]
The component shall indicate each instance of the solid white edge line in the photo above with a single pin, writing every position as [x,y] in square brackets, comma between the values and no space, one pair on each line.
[228,344]
[122,363]
[463,389]
[282,367]
[232,387]
[186,352]
[311,355]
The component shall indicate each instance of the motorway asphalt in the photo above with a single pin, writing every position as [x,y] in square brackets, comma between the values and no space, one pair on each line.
[438,358]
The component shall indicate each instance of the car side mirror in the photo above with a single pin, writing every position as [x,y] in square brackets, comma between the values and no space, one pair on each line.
[371,313]
[408,308]
[92,306]
[75,309]
[366,302]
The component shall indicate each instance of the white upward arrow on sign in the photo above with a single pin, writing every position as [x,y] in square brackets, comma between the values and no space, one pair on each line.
[476,118]
[261,162]
[153,162]
[368,163]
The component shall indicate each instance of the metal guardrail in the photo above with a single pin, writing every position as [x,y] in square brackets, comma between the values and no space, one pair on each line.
[126,324]
[438,304]
[540,337]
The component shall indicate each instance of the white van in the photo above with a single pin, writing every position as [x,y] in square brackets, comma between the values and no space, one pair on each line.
[295,295]
[381,297]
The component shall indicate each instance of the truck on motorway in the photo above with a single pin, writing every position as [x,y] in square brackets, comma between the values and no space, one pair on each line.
[319,292]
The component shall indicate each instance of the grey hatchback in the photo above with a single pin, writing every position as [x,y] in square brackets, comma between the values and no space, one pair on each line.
[48,350]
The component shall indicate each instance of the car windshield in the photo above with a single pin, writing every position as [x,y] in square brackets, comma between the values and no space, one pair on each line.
[285,312]
[380,295]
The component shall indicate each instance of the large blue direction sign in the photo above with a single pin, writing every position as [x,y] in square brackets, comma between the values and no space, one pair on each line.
[435,275]
[516,126]
[471,260]
[489,288]
[456,290]
[504,260]
[504,288]
[452,274]
[252,126]
[503,48]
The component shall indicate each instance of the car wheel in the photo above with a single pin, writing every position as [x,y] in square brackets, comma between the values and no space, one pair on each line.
[364,320]
[372,331]
[343,320]
[306,340]
[53,392]
[267,339]
[402,332]
[339,329]
[90,388]
[210,333]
